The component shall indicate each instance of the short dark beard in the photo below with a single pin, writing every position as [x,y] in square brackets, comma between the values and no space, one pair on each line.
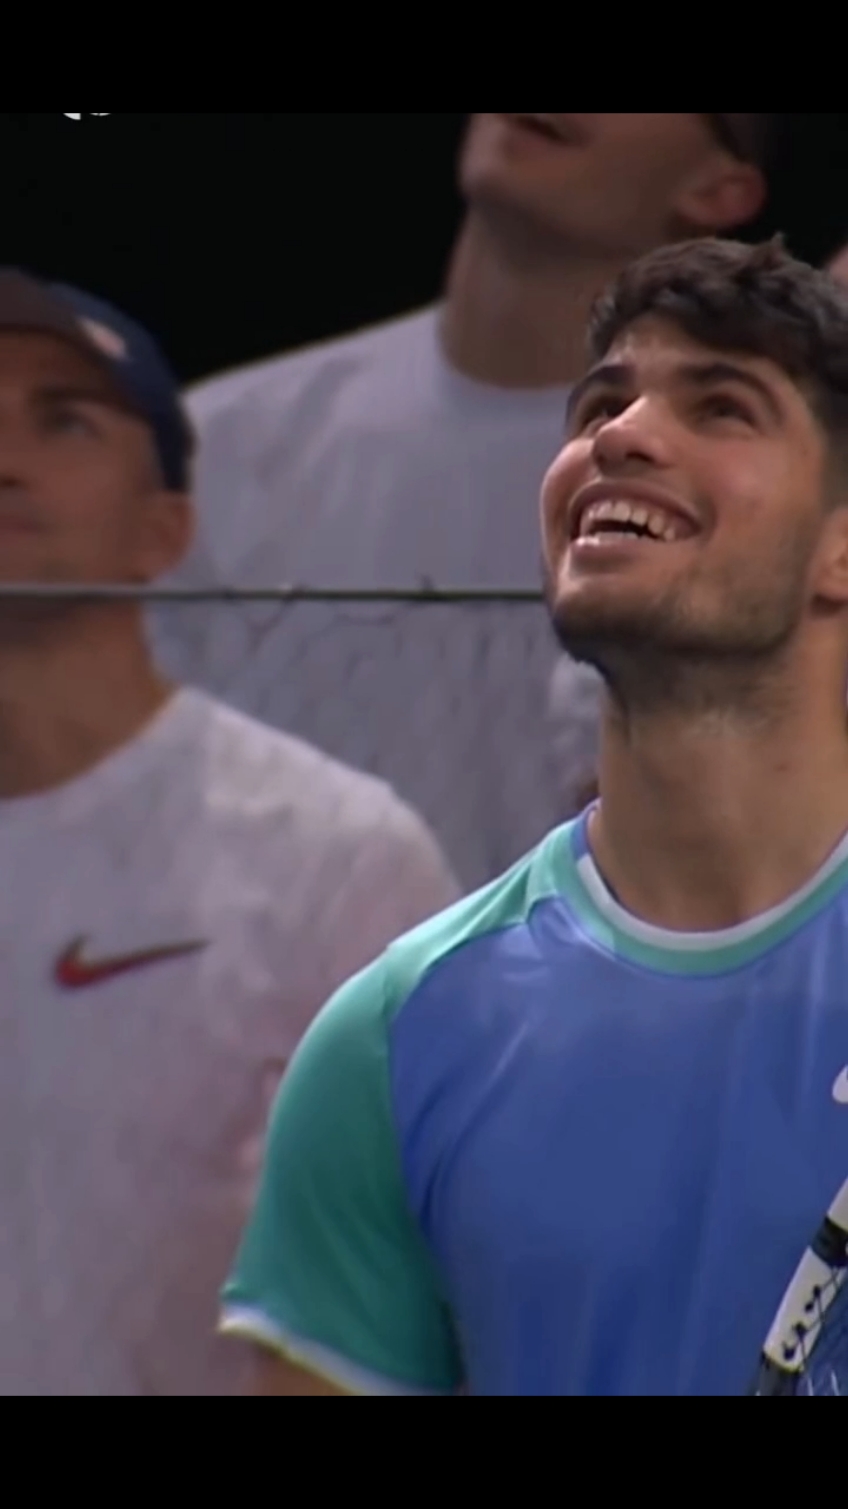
[647,681]
[658,668]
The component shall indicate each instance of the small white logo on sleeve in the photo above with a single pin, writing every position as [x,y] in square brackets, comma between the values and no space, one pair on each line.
[840,1089]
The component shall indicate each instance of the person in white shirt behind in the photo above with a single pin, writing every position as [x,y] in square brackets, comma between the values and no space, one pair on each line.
[414,453]
[180,888]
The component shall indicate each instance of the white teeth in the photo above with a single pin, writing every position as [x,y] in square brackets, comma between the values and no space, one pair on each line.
[654,521]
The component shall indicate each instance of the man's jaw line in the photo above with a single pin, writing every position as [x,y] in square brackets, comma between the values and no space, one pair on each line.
[658,671]
[664,691]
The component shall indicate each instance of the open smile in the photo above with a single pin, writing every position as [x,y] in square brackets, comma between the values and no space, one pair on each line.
[603,512]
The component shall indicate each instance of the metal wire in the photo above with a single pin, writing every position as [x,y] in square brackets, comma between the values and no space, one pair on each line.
[426,595]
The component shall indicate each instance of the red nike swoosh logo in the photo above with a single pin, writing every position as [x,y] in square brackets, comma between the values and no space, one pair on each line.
[76,972]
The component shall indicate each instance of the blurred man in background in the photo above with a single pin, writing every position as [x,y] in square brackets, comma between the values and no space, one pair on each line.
[413,454]
[179,887]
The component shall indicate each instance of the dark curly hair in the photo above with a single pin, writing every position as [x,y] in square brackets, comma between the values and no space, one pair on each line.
[747,300]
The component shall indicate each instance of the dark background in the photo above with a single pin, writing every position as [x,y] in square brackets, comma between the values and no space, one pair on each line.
[237,236]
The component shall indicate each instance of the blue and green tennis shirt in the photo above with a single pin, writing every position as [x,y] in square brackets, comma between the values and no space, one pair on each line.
[541,1148]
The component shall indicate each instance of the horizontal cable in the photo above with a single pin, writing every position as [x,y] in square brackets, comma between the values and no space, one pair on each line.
[119,593]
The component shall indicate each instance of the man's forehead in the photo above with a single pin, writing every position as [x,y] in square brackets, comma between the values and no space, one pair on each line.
[655,353]
[660,342]
[656,350]
[37,360]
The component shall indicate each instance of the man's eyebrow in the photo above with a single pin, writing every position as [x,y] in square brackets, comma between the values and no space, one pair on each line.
[610,375]
[709,374]
[621,375]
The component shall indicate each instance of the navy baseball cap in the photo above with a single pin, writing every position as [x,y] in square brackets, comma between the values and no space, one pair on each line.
[139,370]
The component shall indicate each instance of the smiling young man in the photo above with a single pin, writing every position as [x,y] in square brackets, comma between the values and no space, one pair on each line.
[414,452]
[570,1138]
[179,887]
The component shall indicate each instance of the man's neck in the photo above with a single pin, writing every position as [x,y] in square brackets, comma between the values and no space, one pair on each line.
[706,824]
[71,694]
[516,315]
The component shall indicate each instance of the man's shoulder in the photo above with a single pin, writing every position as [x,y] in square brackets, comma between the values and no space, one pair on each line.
[265,768]
[496,911]
[372,1001]
[284,378]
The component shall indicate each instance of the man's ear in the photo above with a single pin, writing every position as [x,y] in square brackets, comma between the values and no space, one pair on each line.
[722,195]
[167,534]
[831,582]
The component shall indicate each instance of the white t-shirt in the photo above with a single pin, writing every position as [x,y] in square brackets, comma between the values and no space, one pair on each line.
[370,464]
[169,925]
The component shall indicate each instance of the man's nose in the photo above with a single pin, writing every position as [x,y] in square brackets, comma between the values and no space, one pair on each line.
[637,437]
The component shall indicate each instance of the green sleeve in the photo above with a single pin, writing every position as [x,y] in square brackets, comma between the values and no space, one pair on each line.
[333,1269]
